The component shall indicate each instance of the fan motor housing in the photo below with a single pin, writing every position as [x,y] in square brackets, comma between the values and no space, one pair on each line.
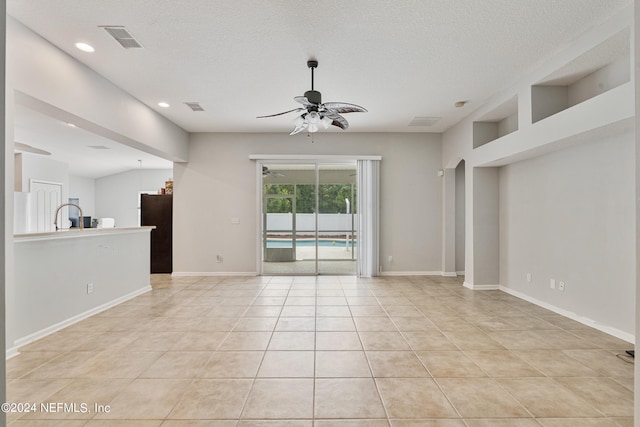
[313,96]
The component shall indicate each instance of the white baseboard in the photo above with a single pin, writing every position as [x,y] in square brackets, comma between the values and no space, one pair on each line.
[212,273]
[13,351]
[410,273]
[449,274]
[625,336]
[460,273]
[480,287]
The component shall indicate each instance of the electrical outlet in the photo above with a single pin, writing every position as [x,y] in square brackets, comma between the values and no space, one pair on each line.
[552,283]
[390,258]
[89,288]
[561,286]
[529,277]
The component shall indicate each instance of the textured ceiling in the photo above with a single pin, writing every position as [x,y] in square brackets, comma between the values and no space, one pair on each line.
[241,59]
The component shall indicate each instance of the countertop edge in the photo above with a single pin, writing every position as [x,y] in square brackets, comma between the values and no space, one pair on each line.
[74,234]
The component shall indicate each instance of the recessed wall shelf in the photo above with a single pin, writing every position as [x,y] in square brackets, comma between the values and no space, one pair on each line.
[598,70]
[497,123]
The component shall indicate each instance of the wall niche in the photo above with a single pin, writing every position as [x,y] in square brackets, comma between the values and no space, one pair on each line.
[593,73]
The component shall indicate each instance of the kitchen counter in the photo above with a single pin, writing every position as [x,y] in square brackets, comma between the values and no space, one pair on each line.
[68,233]
[66,276]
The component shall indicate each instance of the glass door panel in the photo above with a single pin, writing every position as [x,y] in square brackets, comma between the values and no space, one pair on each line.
[288,225]
[337,243]
[309,219]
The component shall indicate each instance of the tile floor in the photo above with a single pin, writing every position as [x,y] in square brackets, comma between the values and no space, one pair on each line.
[324,352]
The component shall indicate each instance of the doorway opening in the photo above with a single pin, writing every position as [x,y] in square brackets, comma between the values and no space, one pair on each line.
[309,218]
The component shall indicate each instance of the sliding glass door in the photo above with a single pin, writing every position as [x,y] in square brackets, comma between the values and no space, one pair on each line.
[337,240]
[308,221]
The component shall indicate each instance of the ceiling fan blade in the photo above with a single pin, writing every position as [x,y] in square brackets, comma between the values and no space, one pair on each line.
[304,101]
[338,120]
[268,172]
[279,114]
[299,128]
[343,107]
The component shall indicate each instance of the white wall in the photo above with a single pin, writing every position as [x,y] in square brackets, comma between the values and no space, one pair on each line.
[54,294]
[635,77]
[42,77]
[219,183]
[46,78]
[44,169]
[569,216]
[524,155]
[84,189]
[460,214]
[486,227]
[117,195]
[6,193]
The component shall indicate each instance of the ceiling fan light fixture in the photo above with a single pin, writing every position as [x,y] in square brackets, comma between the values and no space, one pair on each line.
[313,118]
[299,121]
[312,128]
[326,122]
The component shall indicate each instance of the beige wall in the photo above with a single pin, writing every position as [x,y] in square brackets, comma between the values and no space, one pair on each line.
[569,216]
[219,183]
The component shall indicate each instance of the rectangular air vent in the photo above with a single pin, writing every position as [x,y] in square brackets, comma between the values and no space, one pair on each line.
[195,106]
[424,121]
[98,147]
[122,36]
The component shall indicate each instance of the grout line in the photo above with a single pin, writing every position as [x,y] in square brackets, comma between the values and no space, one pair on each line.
[409,289]
[264,353]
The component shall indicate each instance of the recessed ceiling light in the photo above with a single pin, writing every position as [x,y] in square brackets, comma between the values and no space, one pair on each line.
[71,125]
[163,104]
[85,47]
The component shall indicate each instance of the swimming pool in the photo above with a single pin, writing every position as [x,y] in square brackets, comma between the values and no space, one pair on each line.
[286,243]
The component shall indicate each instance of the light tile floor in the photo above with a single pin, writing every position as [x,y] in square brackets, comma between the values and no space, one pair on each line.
[325,352]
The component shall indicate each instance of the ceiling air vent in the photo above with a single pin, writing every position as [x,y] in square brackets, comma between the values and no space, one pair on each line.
[98,147]
[424,121]
[123,37]
[195,106]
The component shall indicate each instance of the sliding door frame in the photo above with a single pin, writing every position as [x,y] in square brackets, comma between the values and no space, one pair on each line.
[262,159]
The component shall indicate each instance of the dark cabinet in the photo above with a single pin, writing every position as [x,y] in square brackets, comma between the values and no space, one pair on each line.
[157,210]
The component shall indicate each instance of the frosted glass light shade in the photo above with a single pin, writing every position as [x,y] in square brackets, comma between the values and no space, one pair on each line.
[313,117]
[326,122]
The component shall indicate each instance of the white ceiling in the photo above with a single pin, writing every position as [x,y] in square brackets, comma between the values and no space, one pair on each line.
[73,145]
[241,58]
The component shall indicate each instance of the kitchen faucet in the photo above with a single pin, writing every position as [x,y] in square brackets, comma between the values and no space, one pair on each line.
[55,221]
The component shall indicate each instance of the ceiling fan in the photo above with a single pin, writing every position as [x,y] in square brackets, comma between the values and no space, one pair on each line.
[268,172]
[315,113]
